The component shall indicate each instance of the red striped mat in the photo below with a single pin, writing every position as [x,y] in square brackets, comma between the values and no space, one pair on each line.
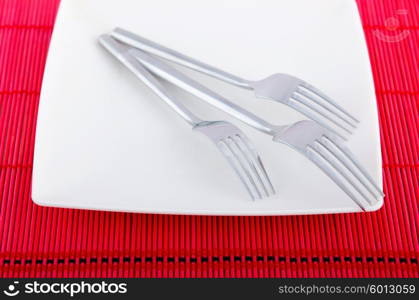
[51,242]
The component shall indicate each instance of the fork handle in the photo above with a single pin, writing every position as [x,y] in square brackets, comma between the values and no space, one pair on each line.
[177,78]
[141,43]
[122,54]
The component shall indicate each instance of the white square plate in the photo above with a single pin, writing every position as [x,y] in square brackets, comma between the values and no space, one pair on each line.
[105,142]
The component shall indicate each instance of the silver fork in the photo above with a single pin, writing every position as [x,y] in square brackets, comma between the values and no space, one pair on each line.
[318,144]
[282,88]
[231,141]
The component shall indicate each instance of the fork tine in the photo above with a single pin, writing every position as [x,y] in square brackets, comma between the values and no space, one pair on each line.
[308,114]
[232,159]
[307,103]
[251,165]
[240,168]
[318,159]
[326,107]
[259,162]
[347,158]
[329,155]
[328,99]
[256,163]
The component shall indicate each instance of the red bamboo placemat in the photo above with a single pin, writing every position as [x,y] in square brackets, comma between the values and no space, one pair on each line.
[52,242]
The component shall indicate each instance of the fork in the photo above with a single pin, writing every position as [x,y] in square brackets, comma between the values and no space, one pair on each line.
[230,140]
[315,142]
[283,88]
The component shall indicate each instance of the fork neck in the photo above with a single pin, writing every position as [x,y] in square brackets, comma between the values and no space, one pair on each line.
[151,47]
[223,76]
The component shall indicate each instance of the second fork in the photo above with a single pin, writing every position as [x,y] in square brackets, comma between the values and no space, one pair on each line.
[230,140]
[286,89]
[316,143]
